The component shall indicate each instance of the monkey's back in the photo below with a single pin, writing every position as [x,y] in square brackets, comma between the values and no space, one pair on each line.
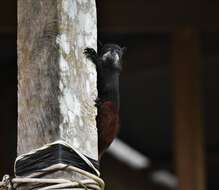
[107,125]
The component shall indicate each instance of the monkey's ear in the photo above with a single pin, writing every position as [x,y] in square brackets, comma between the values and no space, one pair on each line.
[124,49]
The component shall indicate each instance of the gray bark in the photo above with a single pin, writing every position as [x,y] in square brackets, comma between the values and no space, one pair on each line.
[56,83]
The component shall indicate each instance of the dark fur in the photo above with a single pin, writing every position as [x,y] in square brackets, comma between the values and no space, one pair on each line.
[108,65]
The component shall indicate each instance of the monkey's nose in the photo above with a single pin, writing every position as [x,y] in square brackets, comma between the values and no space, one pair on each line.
[115,56]
[114,53]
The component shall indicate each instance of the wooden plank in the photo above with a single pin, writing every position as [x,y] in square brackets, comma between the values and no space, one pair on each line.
[189,150]
[56,83]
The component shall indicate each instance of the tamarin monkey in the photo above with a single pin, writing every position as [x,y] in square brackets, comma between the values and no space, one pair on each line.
[108,64]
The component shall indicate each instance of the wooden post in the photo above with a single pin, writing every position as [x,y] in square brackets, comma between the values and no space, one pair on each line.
[188,127]
[56,83]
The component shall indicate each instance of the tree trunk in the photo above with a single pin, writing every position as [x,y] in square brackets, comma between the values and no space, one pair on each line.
[56,83]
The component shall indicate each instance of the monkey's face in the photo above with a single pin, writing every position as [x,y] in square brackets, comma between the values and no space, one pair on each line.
[112,56]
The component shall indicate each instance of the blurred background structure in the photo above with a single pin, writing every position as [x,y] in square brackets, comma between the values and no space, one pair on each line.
[169,92]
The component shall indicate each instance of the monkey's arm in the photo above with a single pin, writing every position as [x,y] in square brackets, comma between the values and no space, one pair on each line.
[92,55]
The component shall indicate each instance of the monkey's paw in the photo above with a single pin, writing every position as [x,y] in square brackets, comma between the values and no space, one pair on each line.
[91,54]
[98,102]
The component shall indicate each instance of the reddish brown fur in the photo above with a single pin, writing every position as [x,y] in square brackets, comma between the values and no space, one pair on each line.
[107,124]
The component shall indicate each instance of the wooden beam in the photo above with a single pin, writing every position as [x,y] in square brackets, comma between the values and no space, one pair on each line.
[56,83]
[189,150]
